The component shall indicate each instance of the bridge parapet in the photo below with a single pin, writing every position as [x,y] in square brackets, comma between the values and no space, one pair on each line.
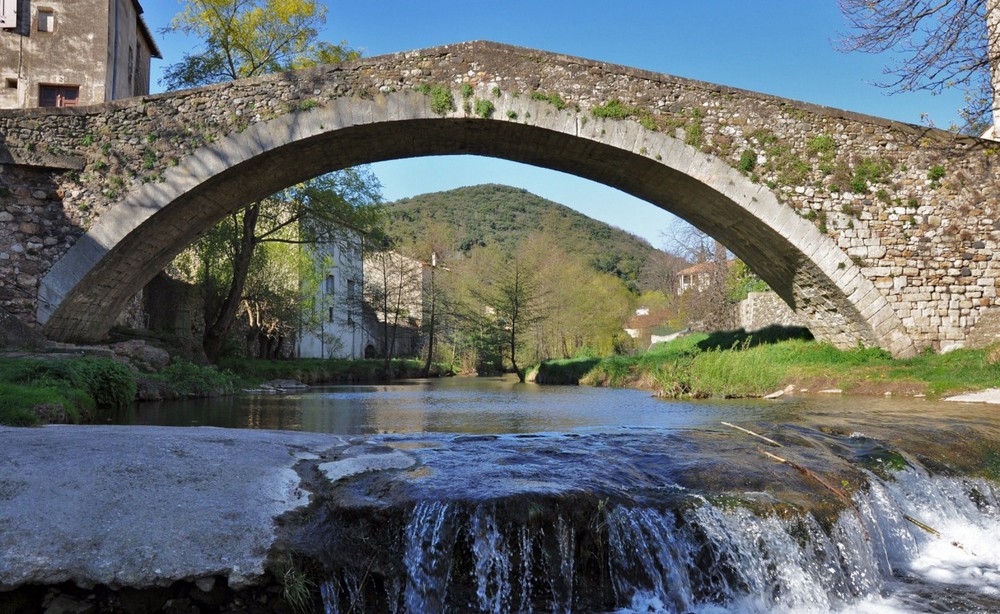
[905,218]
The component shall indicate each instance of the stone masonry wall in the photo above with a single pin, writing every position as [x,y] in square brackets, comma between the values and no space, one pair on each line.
[916,208]
[762,309]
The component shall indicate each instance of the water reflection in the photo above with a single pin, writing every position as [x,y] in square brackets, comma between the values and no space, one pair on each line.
[503,406]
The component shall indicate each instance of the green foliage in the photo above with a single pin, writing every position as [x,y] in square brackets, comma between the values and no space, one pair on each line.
[552,99]
[442,101]
[297,587]
[504,216]
[748,160]
[741,281]
[613,109]
[484,109]
[694,133]
[36,390]
[511,114]
[109,383]
[824,145]
[246,38]
[466,90]
[185,379]
[869,171]
[736,363]
[307,105]
[936,173]
[149,160]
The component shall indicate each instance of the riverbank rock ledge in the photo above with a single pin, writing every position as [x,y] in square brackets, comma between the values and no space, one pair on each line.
[145,507]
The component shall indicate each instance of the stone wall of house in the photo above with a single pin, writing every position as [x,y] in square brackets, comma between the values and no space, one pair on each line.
[762,309]
[914,208]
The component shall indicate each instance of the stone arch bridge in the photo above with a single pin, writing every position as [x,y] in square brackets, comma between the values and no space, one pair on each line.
[876,232]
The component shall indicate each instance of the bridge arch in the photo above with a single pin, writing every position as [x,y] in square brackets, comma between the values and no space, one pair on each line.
[81,295]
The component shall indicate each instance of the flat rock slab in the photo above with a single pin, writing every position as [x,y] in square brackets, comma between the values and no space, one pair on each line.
[990,395]
[145,506]
[347,467]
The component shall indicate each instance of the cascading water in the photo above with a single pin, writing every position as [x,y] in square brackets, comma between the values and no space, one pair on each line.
[906,542]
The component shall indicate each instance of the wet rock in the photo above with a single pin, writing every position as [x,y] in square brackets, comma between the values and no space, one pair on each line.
[347,467]
[64,604]
[143,355]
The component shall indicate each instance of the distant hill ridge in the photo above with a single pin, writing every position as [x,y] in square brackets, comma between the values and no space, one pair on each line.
[498,214]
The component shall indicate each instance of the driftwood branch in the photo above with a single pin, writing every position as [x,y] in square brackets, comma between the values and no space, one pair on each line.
[751,433]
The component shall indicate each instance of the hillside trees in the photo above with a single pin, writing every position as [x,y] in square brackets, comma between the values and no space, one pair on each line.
[515,308]
[939,45]
[246,38]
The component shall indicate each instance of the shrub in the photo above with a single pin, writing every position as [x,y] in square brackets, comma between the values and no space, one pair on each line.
[484,109]
[442,101]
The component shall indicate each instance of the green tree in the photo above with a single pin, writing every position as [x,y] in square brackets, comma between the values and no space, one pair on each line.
[246,38]
[939,45]
[330,208]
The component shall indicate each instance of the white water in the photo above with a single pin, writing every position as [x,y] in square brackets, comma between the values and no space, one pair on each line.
[709,560]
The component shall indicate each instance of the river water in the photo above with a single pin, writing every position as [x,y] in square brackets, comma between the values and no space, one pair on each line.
[559,499]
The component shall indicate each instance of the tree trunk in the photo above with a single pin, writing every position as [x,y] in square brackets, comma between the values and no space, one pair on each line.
[215,335]
[430,333]
[993,32]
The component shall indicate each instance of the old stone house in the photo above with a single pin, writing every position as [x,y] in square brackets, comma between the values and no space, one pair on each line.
[699,277]
[362,305]
[61,53]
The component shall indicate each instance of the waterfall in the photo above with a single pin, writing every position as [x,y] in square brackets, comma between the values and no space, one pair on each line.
[911,542]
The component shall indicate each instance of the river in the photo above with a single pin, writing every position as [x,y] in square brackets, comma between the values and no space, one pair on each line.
[559,499]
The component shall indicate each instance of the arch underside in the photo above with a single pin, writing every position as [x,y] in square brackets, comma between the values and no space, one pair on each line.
[87,289]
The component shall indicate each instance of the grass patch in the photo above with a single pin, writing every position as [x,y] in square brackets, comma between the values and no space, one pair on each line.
[565,371]
[62,390]
[737,364]
[182,379]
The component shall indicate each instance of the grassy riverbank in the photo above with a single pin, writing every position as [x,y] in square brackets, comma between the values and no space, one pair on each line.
[738,365]
[71,389]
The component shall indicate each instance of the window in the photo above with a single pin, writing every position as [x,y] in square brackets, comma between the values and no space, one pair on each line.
[8,13]
[10,82]
[330,287]
[331,314]
[46,20]
[58,95]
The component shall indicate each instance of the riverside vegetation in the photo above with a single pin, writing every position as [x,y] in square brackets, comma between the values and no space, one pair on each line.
[738,364]
[63,389]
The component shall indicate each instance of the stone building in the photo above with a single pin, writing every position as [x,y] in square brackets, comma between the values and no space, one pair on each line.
[332,325]
[61,53]
[362,305]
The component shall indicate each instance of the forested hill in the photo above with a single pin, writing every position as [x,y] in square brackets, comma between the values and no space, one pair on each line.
[496,214]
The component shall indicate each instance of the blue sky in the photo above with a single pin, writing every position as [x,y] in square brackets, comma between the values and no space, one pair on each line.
[780,47]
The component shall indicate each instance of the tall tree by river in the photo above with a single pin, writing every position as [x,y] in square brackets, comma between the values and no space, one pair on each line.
[246,38]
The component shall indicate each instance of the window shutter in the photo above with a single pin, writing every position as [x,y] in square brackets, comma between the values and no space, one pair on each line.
[8,13]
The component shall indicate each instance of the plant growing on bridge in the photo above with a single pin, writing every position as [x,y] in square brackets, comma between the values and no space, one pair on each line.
[553,99]
[442,101]
[484,109]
